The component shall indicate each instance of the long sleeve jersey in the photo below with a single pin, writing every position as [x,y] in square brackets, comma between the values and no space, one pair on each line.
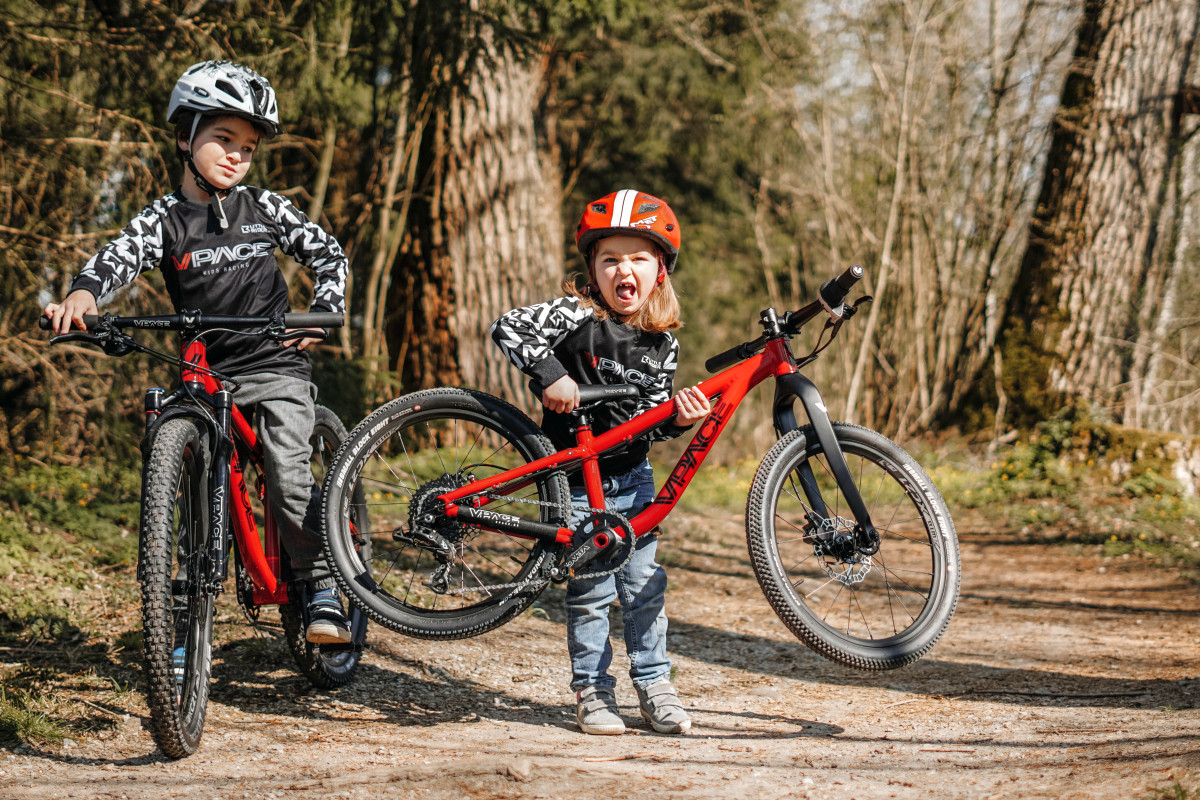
[564,337]
[231,271]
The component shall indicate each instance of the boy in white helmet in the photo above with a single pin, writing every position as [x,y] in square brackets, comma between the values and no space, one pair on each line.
[215,242]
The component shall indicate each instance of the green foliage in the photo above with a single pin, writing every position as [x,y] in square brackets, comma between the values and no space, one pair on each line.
[1175,790]
[1081,478]
[68,523]
[24,720]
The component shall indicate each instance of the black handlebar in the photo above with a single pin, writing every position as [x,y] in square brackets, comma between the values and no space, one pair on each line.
[194,320]
[831,295]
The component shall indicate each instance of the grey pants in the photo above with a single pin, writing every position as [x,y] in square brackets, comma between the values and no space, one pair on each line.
[284,418]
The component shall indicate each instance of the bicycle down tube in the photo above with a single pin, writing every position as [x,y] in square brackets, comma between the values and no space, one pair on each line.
[730,386]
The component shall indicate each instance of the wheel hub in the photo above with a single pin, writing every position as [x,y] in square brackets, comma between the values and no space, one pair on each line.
[835,546]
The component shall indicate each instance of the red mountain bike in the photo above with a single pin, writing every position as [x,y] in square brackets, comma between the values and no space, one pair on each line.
[469,508]
[196,510]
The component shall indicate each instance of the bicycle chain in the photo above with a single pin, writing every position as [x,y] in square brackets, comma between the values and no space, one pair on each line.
[628,539]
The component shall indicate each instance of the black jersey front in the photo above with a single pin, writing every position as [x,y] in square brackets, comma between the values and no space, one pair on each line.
[564,337]
[231,271]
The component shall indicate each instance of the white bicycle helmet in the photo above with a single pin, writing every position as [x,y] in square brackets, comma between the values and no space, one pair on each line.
[223,87]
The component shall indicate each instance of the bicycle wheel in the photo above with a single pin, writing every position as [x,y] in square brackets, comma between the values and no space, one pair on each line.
[873,612]
[326,667]
[405,454]
[177,606]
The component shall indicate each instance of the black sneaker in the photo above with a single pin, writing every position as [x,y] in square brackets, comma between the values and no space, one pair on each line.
[327,624]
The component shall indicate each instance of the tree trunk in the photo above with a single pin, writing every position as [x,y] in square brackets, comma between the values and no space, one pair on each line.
[484,235]
[1093,277]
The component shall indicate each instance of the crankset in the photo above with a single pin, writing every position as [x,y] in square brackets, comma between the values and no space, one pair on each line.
[602,538]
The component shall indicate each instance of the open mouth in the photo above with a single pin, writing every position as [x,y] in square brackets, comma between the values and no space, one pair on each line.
[626,291]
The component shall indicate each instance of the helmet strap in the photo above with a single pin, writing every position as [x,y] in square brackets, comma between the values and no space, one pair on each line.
[214,194]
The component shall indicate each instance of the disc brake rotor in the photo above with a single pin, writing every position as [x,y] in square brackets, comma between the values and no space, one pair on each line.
[834,547]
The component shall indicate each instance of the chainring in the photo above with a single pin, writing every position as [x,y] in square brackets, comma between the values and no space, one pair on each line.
[615,559]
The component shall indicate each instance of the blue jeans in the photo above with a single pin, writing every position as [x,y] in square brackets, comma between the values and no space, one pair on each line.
[640,586]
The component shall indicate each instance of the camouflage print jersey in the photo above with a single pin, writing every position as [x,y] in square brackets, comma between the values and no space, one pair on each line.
[231,271]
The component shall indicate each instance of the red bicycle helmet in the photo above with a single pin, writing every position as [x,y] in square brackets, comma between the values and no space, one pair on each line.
[630,212]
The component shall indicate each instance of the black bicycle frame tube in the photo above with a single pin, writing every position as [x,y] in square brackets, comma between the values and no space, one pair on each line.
[511,524]
[787,389]
[217,548]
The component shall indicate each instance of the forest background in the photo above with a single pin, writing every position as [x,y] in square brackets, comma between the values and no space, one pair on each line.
[1017,177]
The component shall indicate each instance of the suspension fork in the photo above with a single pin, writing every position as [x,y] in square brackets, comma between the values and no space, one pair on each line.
[794,385]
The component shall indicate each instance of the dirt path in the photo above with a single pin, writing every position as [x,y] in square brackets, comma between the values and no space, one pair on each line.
[1061,676]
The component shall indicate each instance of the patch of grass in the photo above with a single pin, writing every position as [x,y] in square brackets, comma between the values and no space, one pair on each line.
[1172,791]
[60,528]
[1079,478]
[23,720]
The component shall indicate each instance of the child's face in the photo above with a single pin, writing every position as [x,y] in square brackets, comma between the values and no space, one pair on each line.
[223,149]
[626,270]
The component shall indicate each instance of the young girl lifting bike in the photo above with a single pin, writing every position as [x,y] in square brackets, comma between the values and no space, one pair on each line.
[614,330]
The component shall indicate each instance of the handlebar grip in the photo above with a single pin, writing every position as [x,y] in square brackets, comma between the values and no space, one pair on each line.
[314,319]
[89,321]
[733,355]
[850,277]
[834,291]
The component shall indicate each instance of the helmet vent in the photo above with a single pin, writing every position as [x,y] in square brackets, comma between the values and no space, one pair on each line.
[600,208]
[646,208]
[256,92]
[229,89]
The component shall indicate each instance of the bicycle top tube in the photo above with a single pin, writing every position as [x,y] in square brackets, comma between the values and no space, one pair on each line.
[731,386]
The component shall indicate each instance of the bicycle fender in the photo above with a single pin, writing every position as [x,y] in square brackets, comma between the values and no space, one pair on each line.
[172,412]
[787,389]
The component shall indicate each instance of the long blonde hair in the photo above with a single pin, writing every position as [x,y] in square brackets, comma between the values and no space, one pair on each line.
[658,314]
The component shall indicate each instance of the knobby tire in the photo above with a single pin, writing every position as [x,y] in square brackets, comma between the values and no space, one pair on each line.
[177,605]
[872,614]
[403,455]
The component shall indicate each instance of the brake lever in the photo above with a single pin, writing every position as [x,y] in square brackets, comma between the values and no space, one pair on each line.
[302,333]
[850,311]
[76,336]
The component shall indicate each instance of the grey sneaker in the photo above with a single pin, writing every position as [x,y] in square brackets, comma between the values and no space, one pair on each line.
[661,708]
[597,711]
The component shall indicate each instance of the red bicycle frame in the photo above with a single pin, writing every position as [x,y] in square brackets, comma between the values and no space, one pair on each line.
[260,555]
[731,386]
